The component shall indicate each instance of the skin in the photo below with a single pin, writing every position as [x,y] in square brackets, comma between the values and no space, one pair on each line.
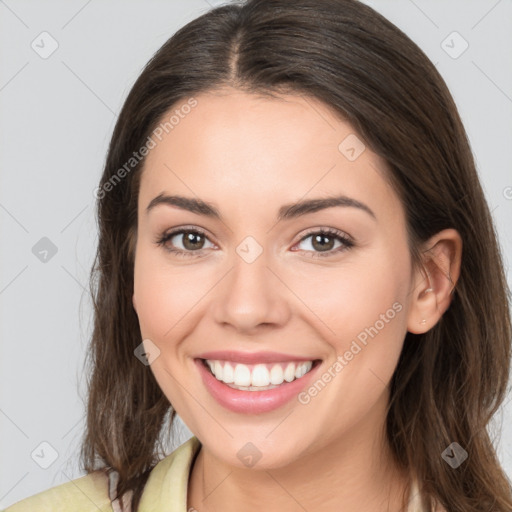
[248,156]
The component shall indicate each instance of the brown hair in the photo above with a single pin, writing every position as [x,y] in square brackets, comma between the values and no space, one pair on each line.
[450,381]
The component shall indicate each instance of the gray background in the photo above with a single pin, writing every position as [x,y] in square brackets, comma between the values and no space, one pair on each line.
[57,117]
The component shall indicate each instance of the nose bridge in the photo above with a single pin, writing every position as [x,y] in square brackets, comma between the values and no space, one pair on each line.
[251,293]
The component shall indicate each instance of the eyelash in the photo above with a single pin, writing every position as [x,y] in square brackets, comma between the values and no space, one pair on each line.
[347,243]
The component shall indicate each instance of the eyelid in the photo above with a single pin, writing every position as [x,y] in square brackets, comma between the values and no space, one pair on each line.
[327,230]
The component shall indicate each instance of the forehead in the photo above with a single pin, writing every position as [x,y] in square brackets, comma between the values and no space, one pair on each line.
[236,147]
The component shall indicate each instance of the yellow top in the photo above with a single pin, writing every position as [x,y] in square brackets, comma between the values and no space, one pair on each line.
[165,490]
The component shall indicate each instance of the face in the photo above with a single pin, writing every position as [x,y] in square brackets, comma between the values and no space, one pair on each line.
[323,287]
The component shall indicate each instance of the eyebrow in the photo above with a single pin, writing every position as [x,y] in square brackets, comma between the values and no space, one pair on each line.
[287,211]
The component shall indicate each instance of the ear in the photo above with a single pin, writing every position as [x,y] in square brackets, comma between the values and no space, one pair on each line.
[433,286]
[134,303]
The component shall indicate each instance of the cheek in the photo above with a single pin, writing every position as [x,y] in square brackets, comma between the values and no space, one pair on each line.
[166,298]
[349,299]
[366,325]
[166,295]
[363,315]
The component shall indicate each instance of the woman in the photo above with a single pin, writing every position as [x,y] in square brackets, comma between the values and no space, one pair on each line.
[296,256]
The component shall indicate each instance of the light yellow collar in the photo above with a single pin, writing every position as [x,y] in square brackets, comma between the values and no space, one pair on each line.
[166,488]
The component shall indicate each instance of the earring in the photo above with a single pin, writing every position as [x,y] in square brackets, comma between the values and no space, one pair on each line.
[429,290]
[423,321]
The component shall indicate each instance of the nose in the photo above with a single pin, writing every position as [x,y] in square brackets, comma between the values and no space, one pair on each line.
[251,296]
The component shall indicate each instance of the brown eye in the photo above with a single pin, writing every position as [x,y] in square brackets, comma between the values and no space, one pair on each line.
[323,242]
[183,242]
[192,240]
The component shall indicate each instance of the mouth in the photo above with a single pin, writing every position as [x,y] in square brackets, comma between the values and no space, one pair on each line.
[256,387]
[260,376]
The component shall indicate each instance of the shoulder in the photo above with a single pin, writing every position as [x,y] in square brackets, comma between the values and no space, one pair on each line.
[167,483]
[88,493]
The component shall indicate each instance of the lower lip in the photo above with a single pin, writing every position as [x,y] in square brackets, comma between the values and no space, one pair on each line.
[253,402]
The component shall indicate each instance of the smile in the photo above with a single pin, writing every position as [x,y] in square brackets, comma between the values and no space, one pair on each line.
[257,377]
[253,386]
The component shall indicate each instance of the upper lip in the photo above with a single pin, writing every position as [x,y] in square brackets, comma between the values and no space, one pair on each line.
[251,357]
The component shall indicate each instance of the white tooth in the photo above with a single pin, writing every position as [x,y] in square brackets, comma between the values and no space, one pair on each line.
[276,375]
[252,388]
[260,376]
[301,370]
[289,373]
[241,388]
[242,375]
[217,369]
[228,374]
